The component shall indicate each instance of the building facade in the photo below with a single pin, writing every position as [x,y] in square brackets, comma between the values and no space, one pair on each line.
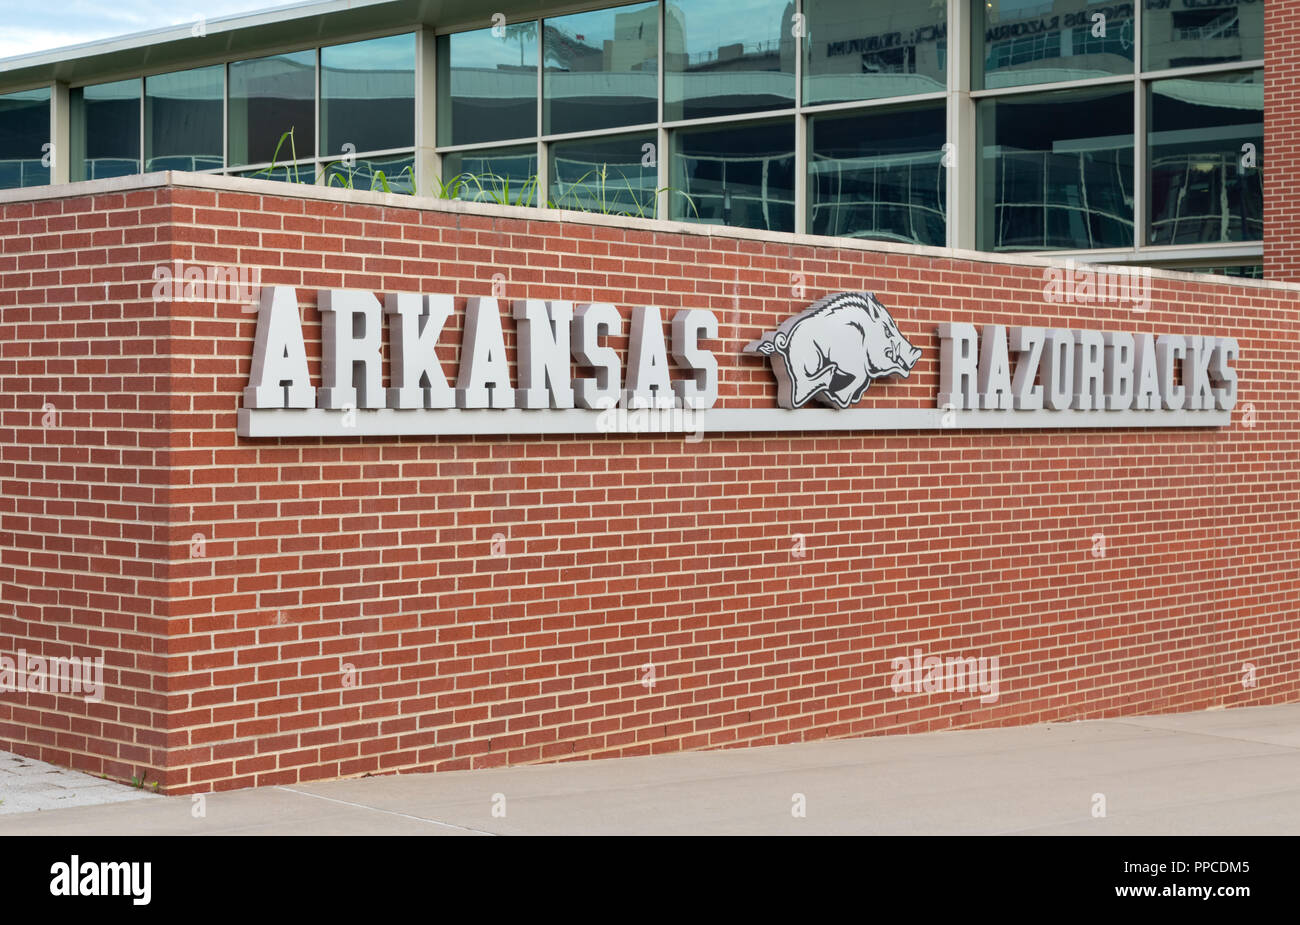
[1119,131]
[309,479]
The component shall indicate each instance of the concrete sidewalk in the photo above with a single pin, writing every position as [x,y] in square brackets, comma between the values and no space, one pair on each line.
[1219,772]
[29,786]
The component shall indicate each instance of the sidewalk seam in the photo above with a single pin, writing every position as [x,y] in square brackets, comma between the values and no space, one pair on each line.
[1197,732]
[388,812]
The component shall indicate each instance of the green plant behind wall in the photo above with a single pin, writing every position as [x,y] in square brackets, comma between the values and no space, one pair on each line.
[592,192]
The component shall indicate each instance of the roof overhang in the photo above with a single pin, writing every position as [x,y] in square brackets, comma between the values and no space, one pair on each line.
[247,35]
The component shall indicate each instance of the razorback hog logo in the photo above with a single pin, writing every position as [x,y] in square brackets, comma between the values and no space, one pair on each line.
[833,349]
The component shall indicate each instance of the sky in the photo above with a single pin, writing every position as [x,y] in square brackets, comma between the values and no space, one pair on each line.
[27,26]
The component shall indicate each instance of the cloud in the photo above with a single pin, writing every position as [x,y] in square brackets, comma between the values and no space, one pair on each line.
[21,40]
[32,27]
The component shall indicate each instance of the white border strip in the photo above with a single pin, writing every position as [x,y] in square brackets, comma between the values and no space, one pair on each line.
[385,422]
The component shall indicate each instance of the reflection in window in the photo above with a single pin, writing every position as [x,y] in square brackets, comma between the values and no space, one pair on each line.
[1043,42]
[727,58]
[368,95]
[1056,170]
[24,133]
[506,176]
[283,173]
[610,175]
[740,175]
[865,51]
[105,130]
[182,117]
[380,175]
[879,175]
[269,97]
[487,83]
[1194,34]
[601,69]
[1205,142]
[1241,271]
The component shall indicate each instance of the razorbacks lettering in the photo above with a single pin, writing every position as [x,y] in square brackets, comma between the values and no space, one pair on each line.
[1058,369]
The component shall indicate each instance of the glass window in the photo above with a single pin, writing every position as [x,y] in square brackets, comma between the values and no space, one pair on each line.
[735,175]
[507,176]
[1056,170]
[105,130]
[611,175]
[368,95]
[1244,270]
[182,118]
[382,175]
[283,173]
[487,84]
[1205,142]
[861,51]
[727,58]
[269,99]
[878,174]
[1041,41]
[1190,33]
[24,136]
[601,69]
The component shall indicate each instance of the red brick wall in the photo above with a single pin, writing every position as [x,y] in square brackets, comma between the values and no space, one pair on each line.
[84,470]
[376,553]
[1281,156]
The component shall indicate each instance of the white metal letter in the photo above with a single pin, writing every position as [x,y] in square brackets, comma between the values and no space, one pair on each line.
[278,377]
[648,382]
[593,321]
[545,380]
[958,366]
[689,328]
[484,377]
[415,323]
[350,340]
